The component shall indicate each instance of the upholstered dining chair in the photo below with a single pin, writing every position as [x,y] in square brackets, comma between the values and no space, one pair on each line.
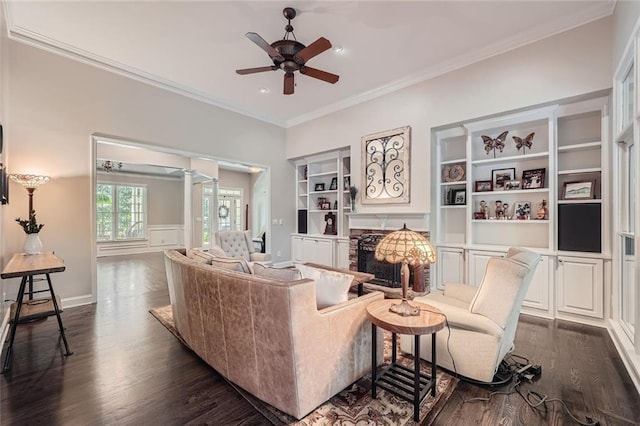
[482,320]
[239,244]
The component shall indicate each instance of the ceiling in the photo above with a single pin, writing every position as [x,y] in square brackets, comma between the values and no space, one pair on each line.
[195,47]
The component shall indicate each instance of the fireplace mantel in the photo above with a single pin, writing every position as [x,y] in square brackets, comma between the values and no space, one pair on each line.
[417,221]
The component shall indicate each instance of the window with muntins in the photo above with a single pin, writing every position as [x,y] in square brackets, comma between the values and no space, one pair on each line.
[121,212]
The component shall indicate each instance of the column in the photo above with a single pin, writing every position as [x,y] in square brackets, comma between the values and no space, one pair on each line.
[188,208]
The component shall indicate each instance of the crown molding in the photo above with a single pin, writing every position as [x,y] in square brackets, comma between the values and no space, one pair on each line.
[597,11]
[51,45]
[21,34]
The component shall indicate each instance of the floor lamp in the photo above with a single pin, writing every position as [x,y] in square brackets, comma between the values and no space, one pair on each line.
[409,248]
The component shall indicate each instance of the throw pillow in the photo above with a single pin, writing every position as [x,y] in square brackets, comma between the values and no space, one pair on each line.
[331,287]
[282,274]
[217,251]
[199,256]
[239,265]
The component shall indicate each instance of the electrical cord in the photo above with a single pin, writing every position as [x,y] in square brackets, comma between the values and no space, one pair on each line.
[534,399]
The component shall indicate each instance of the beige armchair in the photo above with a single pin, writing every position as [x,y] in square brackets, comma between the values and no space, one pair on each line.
[482,320]
[239,244]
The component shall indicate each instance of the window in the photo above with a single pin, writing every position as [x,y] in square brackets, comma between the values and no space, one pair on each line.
[230,209]
[121,212]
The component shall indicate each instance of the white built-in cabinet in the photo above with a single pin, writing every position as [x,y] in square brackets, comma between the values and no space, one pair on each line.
[570,145]
[322,189]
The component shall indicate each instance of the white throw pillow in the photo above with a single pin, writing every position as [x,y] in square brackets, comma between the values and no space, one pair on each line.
[331,287]
[281,274]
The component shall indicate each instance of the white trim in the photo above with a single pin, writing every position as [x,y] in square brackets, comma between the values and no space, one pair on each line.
[597,11]
[72,302]
[4,328]
[630,359]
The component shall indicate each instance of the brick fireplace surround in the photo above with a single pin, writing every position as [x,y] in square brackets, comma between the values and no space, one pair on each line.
[354,235]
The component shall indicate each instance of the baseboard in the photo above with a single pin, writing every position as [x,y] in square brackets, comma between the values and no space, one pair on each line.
[626,351]
[4,329]
[71,302]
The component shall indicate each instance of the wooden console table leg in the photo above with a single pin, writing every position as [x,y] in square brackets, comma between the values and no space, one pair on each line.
[12,332]
[57,309]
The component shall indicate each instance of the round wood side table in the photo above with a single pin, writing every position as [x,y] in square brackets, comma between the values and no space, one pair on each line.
[405,383]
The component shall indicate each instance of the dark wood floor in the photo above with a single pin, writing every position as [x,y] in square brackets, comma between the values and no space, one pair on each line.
[127,369]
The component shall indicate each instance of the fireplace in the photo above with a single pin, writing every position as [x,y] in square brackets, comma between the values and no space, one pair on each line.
[386,274]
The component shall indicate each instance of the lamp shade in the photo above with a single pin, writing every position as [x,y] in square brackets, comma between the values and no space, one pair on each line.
[30,181]
[405,246]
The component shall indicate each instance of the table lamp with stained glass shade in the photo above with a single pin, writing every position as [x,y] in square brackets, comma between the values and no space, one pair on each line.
[409,248]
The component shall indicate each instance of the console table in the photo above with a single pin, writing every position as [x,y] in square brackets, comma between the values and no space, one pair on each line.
[26,266]
[408,384]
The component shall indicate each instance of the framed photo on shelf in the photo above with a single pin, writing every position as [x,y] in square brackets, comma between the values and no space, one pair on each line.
[533,178]
[319,187]
[522,210]
[511,185]
[579,190]
[346,183]
[334,184]
[500,176]
[459,197]
[484,186]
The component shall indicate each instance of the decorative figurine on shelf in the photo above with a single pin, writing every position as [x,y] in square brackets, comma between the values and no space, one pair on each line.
[543,211]
[499,210]
[330,227]
[525,143]
[484,211]
[505,211]
[491,143]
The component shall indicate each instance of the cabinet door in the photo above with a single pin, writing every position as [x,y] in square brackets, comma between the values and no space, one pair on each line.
[324,252]
[342,254]
[450,266]
[540,287]
[309,250]
[478,261]
[296,249]
[580,286]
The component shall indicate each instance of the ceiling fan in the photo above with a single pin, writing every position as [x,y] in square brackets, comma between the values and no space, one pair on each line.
[291,55]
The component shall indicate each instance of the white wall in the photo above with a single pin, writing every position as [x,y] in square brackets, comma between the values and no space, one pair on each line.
[165,196]
[569,64]
[3,156]
[624,18]
[56,104]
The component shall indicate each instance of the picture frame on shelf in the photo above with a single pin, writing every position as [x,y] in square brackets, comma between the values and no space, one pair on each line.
[459,197]
[318,187]
[533,179]
[512,185]
[334,184]
[579,190]
[522,210]
[346,183]
[500,176]
[484,186]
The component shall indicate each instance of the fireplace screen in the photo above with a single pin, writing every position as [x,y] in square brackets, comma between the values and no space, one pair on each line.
[387,275]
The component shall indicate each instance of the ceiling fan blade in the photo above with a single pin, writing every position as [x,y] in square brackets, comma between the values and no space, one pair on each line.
[320,75]
[288,83]
[315,48]
[262,43]
[255,70]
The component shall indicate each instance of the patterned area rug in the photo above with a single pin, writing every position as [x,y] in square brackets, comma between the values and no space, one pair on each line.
[354,405]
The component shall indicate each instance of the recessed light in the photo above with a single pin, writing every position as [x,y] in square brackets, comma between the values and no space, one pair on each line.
[338,49]
[264,90]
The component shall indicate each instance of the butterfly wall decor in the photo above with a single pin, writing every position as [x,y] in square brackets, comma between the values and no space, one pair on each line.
[491,144]
[524,143]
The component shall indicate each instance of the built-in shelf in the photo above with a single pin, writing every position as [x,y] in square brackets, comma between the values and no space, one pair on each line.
[333,173]
[580,146]
[329,191]
[512,158]
[580,171]
[460,182]
[457,206]
[323,211]
[589,201]
[462,160]
[513,191]
[519,222]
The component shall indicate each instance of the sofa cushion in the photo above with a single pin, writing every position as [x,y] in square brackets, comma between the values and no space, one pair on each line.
[239,265]
[200,256]
[331,287]
[282,274]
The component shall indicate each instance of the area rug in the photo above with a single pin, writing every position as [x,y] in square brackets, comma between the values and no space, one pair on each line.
[354,405]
